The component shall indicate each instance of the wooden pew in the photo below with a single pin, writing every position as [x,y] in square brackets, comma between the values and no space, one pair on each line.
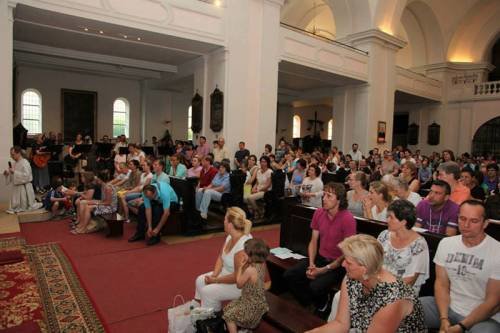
[114,222]
[288,316]
[186,219]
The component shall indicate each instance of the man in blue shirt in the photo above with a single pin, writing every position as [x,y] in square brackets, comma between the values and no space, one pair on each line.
[159,199]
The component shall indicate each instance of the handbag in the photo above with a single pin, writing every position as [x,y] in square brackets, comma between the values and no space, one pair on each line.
[179,317]
[211,325]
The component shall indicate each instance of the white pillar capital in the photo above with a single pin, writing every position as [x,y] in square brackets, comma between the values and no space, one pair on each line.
[366,38]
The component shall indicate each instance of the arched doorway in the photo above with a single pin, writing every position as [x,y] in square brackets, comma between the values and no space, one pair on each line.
[487,139]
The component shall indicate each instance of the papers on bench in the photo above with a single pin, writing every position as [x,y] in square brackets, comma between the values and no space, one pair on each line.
[284,253]
[417,229]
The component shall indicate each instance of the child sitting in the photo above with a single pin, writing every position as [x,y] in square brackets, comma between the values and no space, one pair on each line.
[247,311]
[56,201]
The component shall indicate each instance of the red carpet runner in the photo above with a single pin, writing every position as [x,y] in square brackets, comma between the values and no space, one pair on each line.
[133,285]
[42,292]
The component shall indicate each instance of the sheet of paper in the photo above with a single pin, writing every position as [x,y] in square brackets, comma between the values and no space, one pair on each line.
[417,229]
[280,250]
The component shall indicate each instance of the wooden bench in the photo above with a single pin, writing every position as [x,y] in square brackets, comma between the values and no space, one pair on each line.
[289,317]
[114,223]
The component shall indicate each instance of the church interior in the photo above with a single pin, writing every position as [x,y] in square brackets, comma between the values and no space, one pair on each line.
[267,94]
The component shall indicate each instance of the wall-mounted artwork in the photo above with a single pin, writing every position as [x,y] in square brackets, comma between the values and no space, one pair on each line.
[381,129]
[216,110]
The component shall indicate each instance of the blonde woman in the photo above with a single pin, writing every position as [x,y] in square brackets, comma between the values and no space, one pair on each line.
[371,298]
[220,284]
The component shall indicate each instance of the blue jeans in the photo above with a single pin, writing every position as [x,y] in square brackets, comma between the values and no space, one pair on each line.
[432,319]
[203,199]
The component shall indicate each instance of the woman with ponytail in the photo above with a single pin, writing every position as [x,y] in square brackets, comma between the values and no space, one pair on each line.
[220,285]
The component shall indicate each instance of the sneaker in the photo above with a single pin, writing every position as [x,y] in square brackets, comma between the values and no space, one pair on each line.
[10,211]
[153,241]
[204,216]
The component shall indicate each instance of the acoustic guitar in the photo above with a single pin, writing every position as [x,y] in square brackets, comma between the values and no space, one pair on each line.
[41,159]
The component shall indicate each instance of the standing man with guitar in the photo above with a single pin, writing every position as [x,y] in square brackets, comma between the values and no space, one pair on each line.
[40,157]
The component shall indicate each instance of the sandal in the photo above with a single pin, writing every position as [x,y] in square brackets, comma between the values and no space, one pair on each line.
[77,232]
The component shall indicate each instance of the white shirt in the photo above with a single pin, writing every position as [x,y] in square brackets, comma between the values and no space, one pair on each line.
[228,258]
[414,198]
[312,186]
[382,216]
[468,269]
[356,156]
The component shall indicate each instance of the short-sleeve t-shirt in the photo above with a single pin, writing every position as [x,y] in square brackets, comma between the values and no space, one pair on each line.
[437,220]
[165,195]
[332,231]
[406,262]
[468,269]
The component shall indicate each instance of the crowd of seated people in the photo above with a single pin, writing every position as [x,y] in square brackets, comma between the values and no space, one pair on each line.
[440,193]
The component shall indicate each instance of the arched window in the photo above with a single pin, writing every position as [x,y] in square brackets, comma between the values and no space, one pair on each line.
[31,111]
[296,127]
[330,129]
[120,117]
[190,123]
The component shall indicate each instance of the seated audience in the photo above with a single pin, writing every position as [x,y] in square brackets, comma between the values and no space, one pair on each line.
[389,166]
[406,254]
[467,286]
[135,153]
[247,311]
[371,298]
[450,173]
[357,183]
[195,169]
[409,174]
[472,180]
[136,192]
[107,205]
[122,176]
[376,202]
[252,164]
[177,168]
[241,155]
[262,185]
[56,201]
[220,150]
[159,199]
[219,285]
[133,179]
[203,149]
[491,178]
[159,174]
[312,278]
[298,175]
[311,190]
[437,213]
[207,173]
[219,185]
[402,191]
[425,173]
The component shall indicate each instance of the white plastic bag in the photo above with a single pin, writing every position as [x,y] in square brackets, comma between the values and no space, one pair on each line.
[179,317]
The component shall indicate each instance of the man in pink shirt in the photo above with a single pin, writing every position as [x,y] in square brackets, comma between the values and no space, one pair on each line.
[312,278]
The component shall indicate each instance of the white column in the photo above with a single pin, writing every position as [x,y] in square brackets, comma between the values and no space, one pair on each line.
[375,102]
[144,91]
[251,76]
[6,102]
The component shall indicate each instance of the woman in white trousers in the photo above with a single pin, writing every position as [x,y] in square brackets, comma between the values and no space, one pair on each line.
[220,284]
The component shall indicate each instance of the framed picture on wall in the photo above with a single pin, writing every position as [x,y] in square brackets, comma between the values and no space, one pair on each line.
[381,129]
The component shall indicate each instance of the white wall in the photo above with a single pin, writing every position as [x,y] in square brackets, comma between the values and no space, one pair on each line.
[158,110]
[49,83]
[459,122]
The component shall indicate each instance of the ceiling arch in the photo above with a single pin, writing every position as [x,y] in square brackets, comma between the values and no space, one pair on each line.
[476,33]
